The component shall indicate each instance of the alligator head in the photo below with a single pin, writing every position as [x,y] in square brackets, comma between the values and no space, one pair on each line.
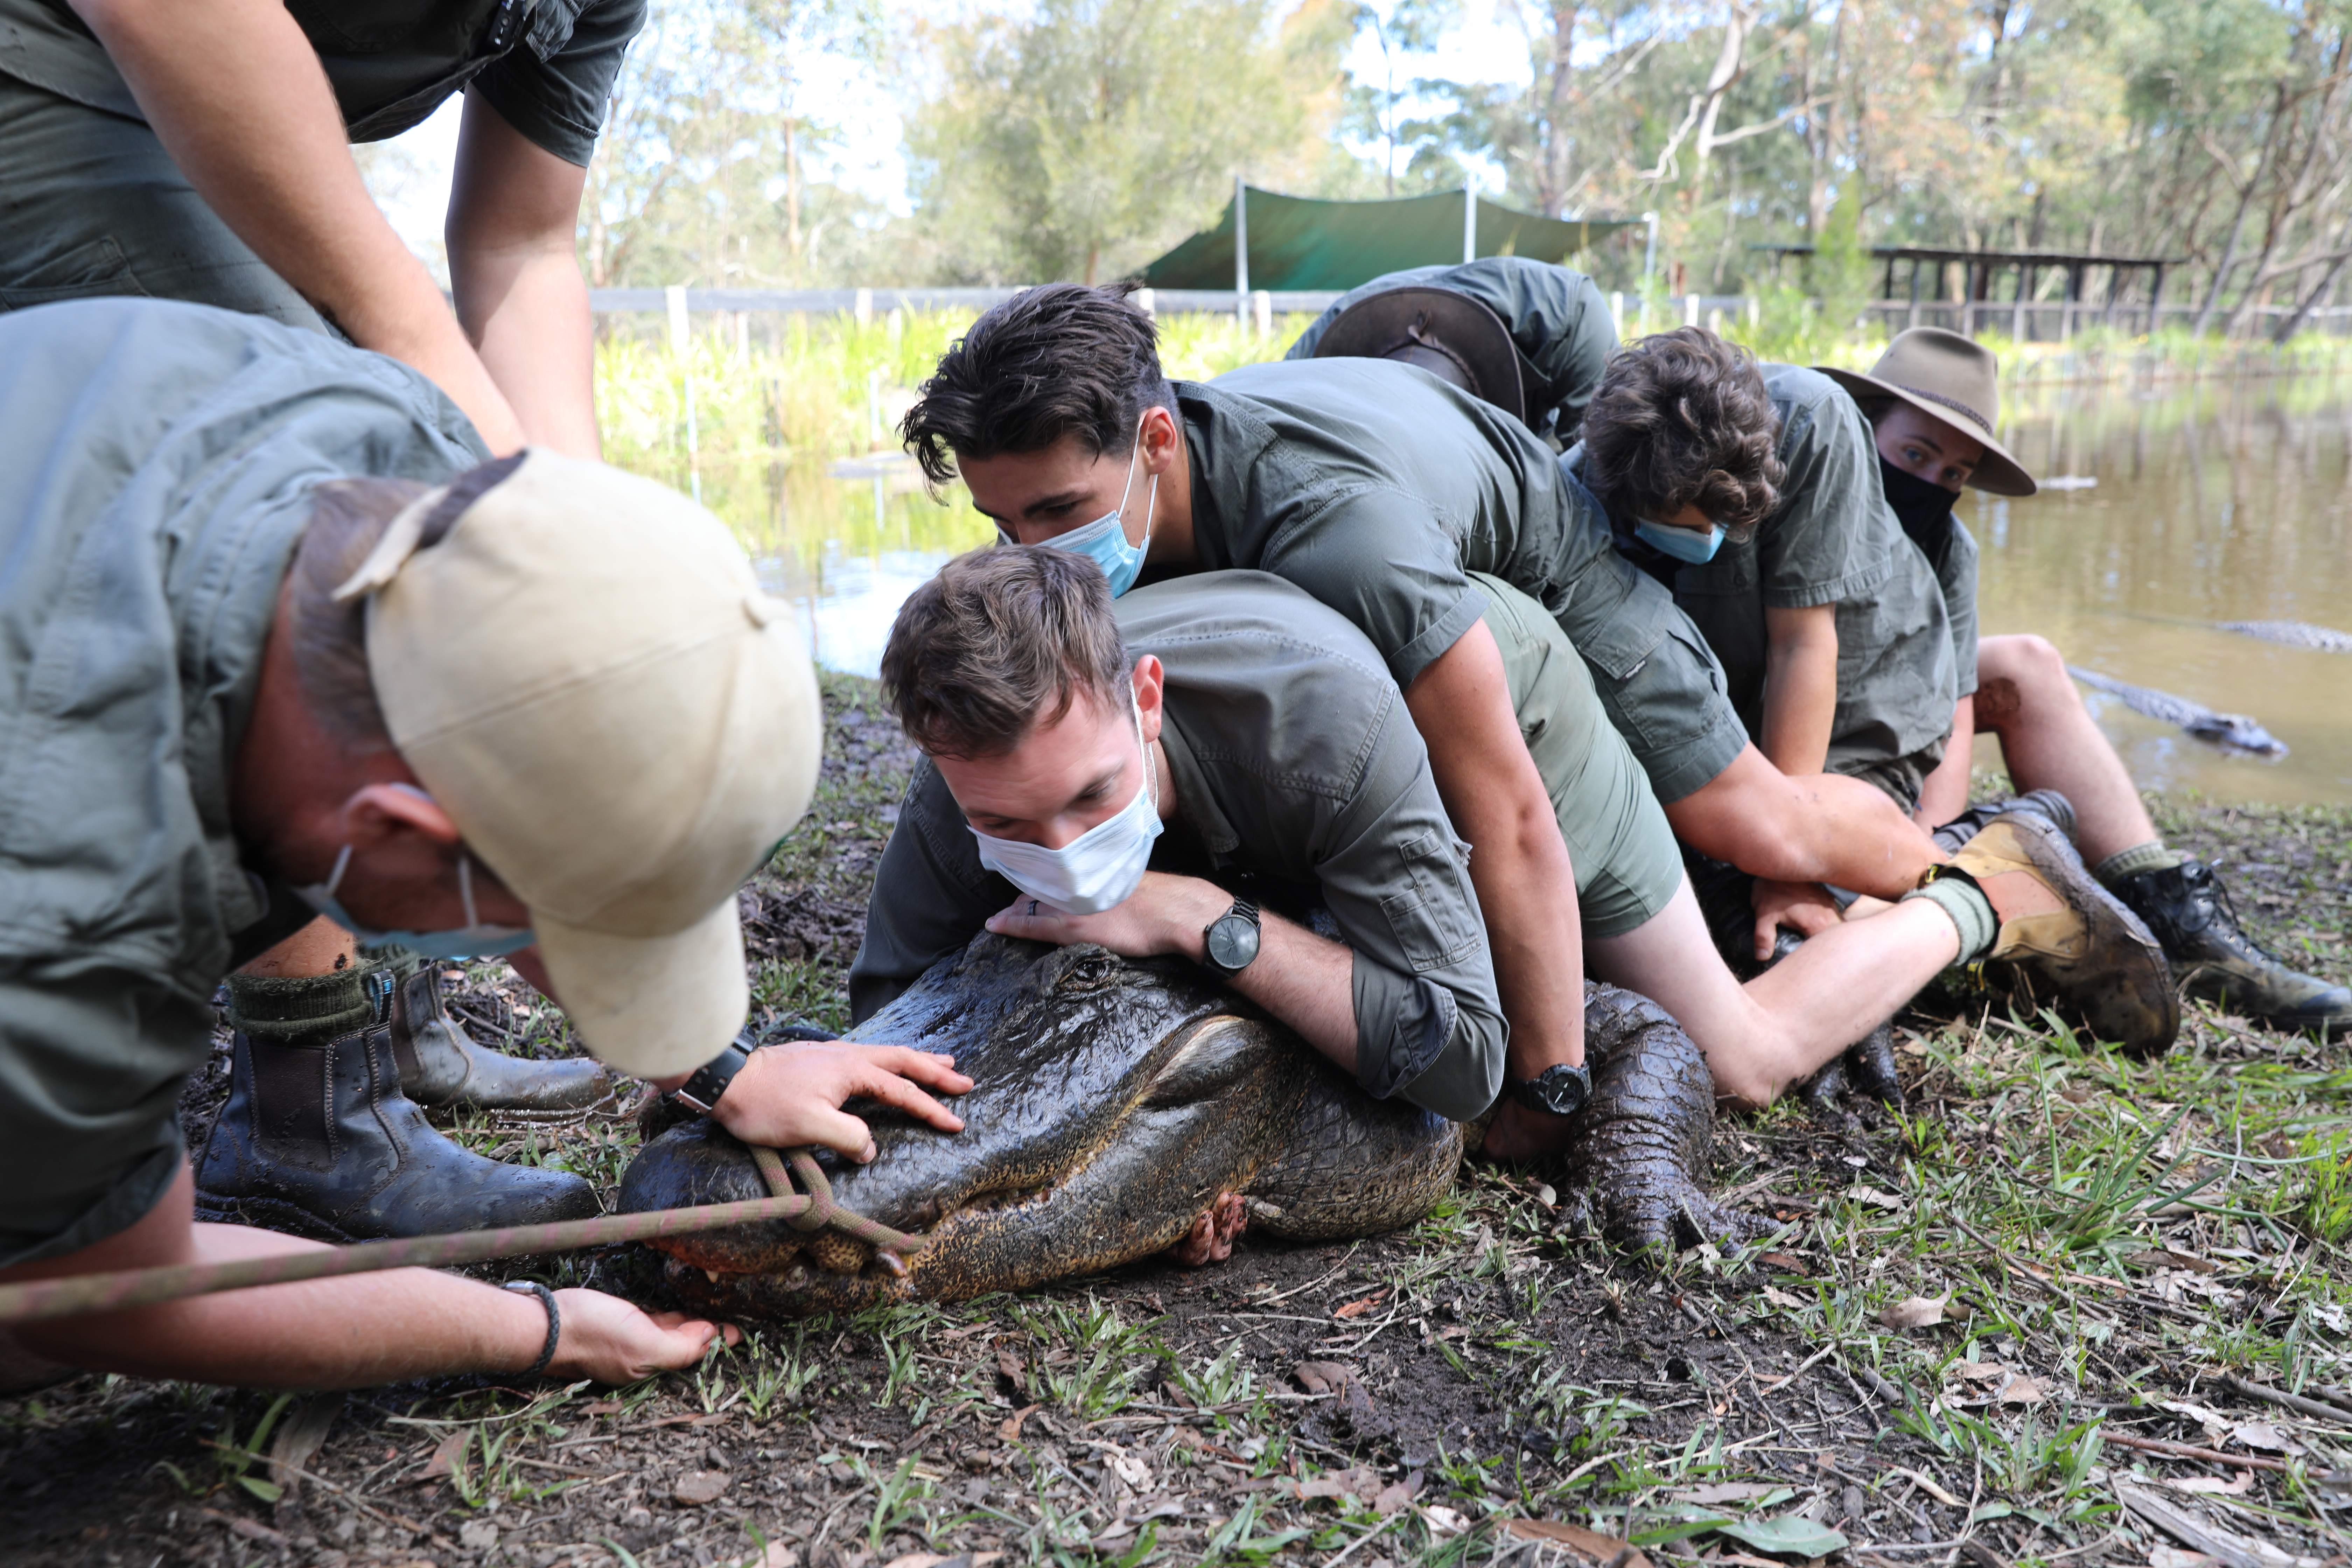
[1112,1103]
[2235,733]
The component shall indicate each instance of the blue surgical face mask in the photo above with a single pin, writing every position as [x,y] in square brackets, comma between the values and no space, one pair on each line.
[1682,543]
[1098,870]
[472,940]
[1104,541]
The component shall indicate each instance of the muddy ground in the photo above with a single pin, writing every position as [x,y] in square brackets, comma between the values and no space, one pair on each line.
[2017,1324]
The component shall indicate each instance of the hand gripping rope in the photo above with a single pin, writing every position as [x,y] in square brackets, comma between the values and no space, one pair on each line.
[811,1210]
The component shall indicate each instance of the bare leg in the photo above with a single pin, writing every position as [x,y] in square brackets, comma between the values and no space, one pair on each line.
[320,948]
[2025,696]
[1781,1027]
[337,1333]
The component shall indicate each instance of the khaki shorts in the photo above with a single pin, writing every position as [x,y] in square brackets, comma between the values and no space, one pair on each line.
[1900,779]
[1627,864]
[96,206]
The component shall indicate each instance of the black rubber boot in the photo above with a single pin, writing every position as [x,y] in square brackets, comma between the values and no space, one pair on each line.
[2189,911]
[441,1066]
[317,1139]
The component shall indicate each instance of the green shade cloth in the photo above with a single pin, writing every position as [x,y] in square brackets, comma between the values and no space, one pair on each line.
[1298,243]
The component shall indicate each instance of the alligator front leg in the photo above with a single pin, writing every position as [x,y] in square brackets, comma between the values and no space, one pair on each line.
[1637,1158]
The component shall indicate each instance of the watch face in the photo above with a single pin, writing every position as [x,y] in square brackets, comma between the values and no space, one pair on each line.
[1232,943]
[1560,1090]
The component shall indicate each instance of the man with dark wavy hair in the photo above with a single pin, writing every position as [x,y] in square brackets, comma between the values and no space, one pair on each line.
[1753,493]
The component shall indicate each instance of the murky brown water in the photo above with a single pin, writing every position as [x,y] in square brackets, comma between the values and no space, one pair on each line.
[2220,501]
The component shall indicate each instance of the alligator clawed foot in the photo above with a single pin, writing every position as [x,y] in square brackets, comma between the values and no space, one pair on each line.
[1865,1074]
[1636,1171]
[1211,1239]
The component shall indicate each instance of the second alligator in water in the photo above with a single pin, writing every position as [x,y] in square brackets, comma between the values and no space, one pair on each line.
[2293,634]
[2231,731]
[1114,1104]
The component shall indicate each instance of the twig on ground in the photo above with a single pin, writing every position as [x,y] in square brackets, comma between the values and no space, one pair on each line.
[2282,1398]
[2189,1451]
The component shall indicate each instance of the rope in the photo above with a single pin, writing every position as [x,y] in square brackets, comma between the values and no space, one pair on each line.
[812,1210]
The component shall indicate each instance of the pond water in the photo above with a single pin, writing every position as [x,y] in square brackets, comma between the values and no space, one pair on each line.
[2214,501]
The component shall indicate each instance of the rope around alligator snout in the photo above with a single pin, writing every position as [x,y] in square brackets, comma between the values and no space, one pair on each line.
[811,1210]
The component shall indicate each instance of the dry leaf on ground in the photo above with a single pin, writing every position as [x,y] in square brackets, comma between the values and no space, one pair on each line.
[1915,1313]
[1590,1543]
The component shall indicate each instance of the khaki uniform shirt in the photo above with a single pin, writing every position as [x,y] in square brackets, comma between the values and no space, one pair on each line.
[1556,317]
[1296,763]
[1831,540]
[1379,489]
[156,465]
[1951,552]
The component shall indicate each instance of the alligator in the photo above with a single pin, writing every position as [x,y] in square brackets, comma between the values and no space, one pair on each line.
[1121,1108]
[2294,633]
[2231,731]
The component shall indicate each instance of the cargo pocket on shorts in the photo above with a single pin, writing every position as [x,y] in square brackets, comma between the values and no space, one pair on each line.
[1435,921]
[95,270]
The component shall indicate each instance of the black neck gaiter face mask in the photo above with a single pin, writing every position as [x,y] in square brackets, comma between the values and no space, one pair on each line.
[1920,505]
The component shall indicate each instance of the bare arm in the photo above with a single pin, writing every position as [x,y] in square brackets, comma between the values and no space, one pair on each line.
[237,96]
[1800,653]
[790,1095]
[1302,979]
[1822,828]
[1944,795]
[1519,864]
[514,210]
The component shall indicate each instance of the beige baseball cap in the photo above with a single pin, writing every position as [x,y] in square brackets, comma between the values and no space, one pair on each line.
[581,668]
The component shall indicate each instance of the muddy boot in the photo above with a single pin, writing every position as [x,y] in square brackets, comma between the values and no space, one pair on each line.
[2052,919]
[317,1139]
[2189,911]
[440,1065]
[2047,803]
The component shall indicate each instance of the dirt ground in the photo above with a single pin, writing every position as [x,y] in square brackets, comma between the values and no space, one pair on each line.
[2046,1314]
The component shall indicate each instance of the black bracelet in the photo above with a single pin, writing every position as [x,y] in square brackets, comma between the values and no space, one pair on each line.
[554,1322]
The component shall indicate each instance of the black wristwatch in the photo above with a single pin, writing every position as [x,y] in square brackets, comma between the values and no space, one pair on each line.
[709,1081]
[1230,942]
[1558,1090]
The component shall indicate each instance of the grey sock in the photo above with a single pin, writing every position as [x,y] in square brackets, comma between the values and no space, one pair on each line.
[1970,912]
[2151,856]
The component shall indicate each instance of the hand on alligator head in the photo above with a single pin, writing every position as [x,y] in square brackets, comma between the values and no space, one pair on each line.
[1164,914]
[789,1096]
[1211,1239]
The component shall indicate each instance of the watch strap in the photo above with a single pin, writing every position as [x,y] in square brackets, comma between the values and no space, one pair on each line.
[702,1091]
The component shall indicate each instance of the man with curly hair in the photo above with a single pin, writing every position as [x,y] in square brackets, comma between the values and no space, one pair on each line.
[1753,493]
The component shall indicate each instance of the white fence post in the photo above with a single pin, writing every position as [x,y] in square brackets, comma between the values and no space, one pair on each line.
[865,307]
[680,341]
[1143,297]
[1262,312]
[1690,309]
